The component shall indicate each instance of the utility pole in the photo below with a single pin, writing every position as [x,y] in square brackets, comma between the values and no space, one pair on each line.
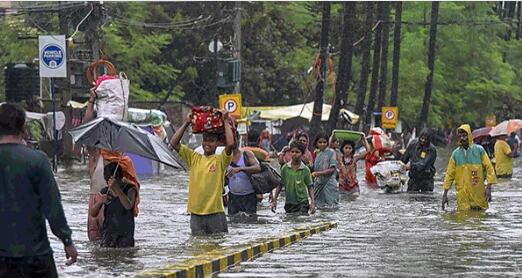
[384,57]
[65,88]
[93,34]
[216,69]
[237,42]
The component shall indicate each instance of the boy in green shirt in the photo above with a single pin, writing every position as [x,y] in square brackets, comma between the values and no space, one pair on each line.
[297,181]
[206,178]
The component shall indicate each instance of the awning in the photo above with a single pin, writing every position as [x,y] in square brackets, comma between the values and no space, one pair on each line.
[300,110]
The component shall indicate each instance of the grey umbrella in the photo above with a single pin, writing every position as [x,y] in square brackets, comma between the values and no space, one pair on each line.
[124,137]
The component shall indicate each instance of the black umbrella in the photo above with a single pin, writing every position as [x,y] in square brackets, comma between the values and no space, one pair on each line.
[125,137]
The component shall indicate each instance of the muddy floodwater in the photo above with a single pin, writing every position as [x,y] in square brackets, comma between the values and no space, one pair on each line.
[378,234]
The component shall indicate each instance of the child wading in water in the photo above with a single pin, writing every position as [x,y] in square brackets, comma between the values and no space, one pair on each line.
[118,202]
[206,178]
[297,182]
[325,166]
[348,167]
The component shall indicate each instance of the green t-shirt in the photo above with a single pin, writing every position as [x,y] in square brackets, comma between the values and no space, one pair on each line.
[296,183]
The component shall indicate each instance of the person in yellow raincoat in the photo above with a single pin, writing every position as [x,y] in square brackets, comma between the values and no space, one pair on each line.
[468,167]
[504,157]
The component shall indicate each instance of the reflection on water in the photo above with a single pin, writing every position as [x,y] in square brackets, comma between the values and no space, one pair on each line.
[377,235]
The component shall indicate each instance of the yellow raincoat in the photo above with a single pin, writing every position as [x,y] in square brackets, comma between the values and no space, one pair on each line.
[504,165]
[468,168]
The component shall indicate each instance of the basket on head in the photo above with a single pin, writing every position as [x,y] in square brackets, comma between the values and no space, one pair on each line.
[92,73]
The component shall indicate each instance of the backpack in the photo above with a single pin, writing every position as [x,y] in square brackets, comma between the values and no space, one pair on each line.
[266,180]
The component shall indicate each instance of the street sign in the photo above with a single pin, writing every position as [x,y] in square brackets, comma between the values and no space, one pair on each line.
[231,103]
[491,121]
[52,56]
[389,116]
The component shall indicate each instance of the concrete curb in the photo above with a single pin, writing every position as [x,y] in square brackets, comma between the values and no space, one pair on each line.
[207,264]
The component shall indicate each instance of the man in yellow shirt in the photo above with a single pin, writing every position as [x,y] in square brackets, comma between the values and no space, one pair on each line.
[206,178]
[503,157]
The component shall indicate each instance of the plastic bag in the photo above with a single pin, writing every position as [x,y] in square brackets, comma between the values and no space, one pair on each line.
[389,173]
[112,98]
[382,143]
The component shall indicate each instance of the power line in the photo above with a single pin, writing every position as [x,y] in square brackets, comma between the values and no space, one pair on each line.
[182,26]
[47,8]
[78,26]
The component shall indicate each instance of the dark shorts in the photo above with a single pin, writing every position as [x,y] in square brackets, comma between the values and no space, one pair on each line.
[238,203]
[420,185]
[300,208]
[208,224]
[36,266]
[117,241]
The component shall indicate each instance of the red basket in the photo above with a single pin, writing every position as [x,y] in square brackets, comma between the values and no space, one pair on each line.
[207,119]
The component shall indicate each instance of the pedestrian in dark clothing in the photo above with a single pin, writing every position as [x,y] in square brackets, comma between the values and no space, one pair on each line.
[242,196]
[118,200]
[28,196]
[421,155]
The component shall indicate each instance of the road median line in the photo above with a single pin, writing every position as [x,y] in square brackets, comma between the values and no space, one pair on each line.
[205,265]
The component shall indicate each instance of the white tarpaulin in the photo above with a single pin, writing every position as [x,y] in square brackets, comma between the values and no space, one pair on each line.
[303,111]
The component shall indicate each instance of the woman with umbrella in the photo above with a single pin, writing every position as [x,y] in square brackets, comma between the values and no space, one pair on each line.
[97,160]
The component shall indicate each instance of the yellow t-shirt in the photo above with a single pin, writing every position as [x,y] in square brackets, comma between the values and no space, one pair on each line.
[504,163]
[206,180]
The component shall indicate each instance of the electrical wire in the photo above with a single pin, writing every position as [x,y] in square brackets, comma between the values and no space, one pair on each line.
[184,26]
[175,25]
[47,8]
[78,26]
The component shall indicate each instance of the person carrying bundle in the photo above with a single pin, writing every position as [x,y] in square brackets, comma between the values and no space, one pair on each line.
[205,202]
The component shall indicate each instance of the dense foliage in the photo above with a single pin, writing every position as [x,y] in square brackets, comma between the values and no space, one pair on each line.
[164,47]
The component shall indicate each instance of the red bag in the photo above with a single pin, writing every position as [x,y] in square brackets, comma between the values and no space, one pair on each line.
[376,131]
[382,143]
[207,119]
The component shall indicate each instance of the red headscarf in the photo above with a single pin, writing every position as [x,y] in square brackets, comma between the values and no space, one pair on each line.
[129,173]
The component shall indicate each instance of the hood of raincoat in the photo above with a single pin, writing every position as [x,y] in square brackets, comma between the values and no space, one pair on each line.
[467,129]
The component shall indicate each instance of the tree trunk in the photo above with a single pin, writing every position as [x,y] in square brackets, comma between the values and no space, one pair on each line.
[396,54]
[375,68]
[365,66]
[345,64]
[423,119]
[321,82]
[519,17]
[384,55]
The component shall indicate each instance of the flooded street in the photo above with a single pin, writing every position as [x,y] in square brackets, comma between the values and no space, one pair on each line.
[377,235]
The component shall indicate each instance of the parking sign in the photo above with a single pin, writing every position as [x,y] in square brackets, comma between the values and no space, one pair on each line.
[231,103]
[52,56]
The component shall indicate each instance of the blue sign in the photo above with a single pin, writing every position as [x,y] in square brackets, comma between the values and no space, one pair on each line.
[52,56]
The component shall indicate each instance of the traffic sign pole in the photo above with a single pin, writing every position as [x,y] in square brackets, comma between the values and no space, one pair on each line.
[53,63]
[55,132]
